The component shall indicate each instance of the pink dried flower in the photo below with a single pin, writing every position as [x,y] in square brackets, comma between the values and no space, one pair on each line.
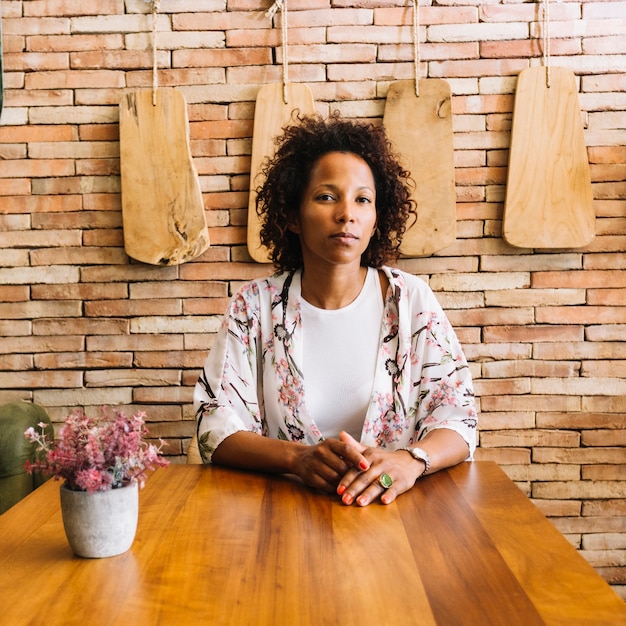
[97,454]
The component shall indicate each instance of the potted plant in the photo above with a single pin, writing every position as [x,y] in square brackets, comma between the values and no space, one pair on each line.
[103,461]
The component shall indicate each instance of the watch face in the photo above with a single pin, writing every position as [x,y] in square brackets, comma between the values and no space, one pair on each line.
[421,455]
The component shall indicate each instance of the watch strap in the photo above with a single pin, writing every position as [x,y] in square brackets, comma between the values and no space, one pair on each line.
[420,455]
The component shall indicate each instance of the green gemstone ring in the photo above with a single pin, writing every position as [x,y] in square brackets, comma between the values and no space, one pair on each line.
[385,481]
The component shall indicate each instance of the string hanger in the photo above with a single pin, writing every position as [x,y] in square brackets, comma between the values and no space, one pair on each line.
[155,10]
[281,5]
[416,45]
[546,40]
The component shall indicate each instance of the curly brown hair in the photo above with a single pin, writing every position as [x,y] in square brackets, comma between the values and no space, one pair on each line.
[287,176]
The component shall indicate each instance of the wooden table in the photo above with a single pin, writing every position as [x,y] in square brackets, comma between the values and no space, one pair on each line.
[217,546]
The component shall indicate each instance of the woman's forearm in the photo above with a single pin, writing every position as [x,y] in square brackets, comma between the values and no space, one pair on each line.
[247,450]
[445,447]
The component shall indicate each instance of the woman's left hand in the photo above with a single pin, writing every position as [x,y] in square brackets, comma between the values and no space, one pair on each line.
[364,487]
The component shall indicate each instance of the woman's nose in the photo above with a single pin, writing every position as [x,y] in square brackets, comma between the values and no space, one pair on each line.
[345,211]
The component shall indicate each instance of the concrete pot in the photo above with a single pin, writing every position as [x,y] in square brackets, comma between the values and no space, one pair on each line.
[100,524]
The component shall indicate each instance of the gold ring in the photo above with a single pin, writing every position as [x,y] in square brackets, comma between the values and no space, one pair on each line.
[385,481]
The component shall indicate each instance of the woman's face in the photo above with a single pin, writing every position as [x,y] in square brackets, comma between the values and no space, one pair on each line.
[337,215]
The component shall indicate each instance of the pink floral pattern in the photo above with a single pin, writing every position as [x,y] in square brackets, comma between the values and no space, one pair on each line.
[252,379]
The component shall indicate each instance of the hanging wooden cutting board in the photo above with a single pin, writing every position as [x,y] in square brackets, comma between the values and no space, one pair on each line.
[271,114]
[549,202]
[162,208]
[420,129]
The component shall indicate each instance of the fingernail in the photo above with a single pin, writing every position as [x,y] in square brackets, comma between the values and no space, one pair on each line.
[347,499]
[341,489]
[364,465]
[361,500]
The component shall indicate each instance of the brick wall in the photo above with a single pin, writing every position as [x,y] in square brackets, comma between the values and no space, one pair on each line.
[83,325]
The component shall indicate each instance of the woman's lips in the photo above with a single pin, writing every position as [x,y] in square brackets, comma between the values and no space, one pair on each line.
[344,236]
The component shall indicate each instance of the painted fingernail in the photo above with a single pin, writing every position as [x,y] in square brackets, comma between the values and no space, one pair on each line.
[347,499]
[361,500]
[341,489]
[364,465]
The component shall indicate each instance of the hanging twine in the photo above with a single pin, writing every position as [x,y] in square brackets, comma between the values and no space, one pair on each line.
[282,6]
[416,45]
[155,10]
[546,39]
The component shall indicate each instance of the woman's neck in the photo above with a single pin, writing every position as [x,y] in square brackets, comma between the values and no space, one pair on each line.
[334,288]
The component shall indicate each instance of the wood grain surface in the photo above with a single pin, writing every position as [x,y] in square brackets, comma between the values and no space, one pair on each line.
[162,207]
[219,546]
[549,202]
[271,114]
[420,129]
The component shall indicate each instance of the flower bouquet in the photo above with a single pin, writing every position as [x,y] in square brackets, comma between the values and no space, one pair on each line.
[97,454]
[103,462]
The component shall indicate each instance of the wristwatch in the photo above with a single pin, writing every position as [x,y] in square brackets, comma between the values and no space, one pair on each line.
[420,455]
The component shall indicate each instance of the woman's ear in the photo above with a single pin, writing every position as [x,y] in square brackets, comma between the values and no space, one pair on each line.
[293,225]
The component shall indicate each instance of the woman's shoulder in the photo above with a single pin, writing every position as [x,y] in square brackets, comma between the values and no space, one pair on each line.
[413,288]
[261,287]
[404,279]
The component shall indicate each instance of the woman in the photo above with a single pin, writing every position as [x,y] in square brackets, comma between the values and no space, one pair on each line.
[338,369]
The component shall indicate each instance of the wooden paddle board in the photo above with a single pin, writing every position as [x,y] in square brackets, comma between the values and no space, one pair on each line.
[420,129]
[271,114]
[549,202]
[162,208]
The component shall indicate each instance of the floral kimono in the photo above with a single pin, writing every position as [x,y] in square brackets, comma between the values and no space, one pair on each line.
[252,379]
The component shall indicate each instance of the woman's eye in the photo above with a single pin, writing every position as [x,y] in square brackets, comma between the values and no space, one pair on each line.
[364,200]
[324,197]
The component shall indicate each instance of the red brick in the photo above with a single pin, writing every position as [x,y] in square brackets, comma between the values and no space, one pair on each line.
[534,334]
[607,297]
[205,306]
[162,360]
[530,438]
[391,16]
[614,576]
[12,187]
[586,456]
[616,404]
[581,350]
[503,456]
[132,308]
[607,438]
[530,402]
[584,489]
[92,291]
[580,421]
[40,379]
[134,343]
[592,525]
[556,509]
[604,472]
[83,360]
[590,278]
[581,315]
[13,293]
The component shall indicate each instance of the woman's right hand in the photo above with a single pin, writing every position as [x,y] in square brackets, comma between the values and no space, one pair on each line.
[323,465]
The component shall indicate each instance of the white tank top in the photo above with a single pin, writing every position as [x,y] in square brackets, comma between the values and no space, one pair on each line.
[340,352]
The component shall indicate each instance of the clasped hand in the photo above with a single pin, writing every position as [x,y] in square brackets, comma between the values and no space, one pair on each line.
[352,470]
